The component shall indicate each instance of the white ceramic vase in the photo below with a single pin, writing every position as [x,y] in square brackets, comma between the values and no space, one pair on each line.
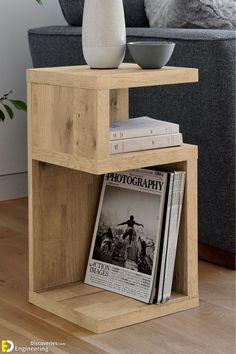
[103,33]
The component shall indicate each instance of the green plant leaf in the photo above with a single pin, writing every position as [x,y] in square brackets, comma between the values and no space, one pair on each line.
[9,110]
[19,105]
[39,2]
[2,116]
[7,94]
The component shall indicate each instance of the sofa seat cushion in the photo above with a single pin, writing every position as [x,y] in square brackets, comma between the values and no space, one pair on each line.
[62,45]
[177,33]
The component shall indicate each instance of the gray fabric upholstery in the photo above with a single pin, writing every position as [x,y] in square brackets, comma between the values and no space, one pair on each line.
[220,14]
[135,15]
[205,111]
[72,11]
[171,33]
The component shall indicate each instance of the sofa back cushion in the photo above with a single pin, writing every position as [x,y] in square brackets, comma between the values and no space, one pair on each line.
[135,15]
[220,14]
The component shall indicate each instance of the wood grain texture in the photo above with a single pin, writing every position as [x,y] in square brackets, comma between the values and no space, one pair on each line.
[126,76]
[51,117]
[22,329]
[105,311]
[70,109]
[119,104]
[217,286]
[64,209]
[91,119]
[30,127]
[118,162]
[74,122]
[69,115]
[207,329]
[186,266]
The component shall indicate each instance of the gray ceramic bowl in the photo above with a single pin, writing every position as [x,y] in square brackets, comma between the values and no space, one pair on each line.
[151,55]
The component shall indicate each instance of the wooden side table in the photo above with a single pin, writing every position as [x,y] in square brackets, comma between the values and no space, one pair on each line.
[68,131]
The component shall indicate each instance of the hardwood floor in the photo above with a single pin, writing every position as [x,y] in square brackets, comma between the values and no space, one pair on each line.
[208,329]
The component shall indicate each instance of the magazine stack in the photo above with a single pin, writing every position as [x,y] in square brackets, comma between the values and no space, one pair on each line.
[142,133]
[135,237]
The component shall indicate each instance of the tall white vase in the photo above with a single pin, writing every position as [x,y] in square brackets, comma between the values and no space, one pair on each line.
[103,33]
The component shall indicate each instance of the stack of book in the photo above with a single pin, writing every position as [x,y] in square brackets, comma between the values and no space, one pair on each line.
[142,134]
[135,237]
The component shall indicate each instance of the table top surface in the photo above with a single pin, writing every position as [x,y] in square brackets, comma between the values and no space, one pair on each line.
[126,76]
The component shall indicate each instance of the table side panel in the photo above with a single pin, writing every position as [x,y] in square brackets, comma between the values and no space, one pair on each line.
[64,207]
[186,264]
[119,104]
[52,118]
[91,123]
[74,121]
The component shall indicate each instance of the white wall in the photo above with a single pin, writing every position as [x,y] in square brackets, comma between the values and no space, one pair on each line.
[16,17]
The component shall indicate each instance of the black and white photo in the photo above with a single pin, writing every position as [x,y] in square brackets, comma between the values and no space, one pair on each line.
[125,246]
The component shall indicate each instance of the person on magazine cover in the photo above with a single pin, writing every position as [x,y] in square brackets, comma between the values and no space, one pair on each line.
[108,239]
[145,262]
[130,227]
[131,252]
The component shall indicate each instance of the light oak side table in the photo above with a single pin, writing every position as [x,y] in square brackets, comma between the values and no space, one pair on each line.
[69,109]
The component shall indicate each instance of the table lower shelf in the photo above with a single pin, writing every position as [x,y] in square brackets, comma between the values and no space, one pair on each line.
[101,311]
[117,162]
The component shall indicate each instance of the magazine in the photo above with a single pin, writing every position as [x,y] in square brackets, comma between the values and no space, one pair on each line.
[170,235]
[164,239]
[125,246]
[177,201]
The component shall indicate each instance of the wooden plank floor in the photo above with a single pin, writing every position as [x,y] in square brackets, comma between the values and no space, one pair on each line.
[208,329]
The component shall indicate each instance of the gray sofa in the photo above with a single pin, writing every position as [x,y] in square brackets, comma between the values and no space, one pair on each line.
[205,111]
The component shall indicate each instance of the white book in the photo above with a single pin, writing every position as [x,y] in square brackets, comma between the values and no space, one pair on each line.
[126,240]
[139,127]
[177,201]
[162,265]
[145,143]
